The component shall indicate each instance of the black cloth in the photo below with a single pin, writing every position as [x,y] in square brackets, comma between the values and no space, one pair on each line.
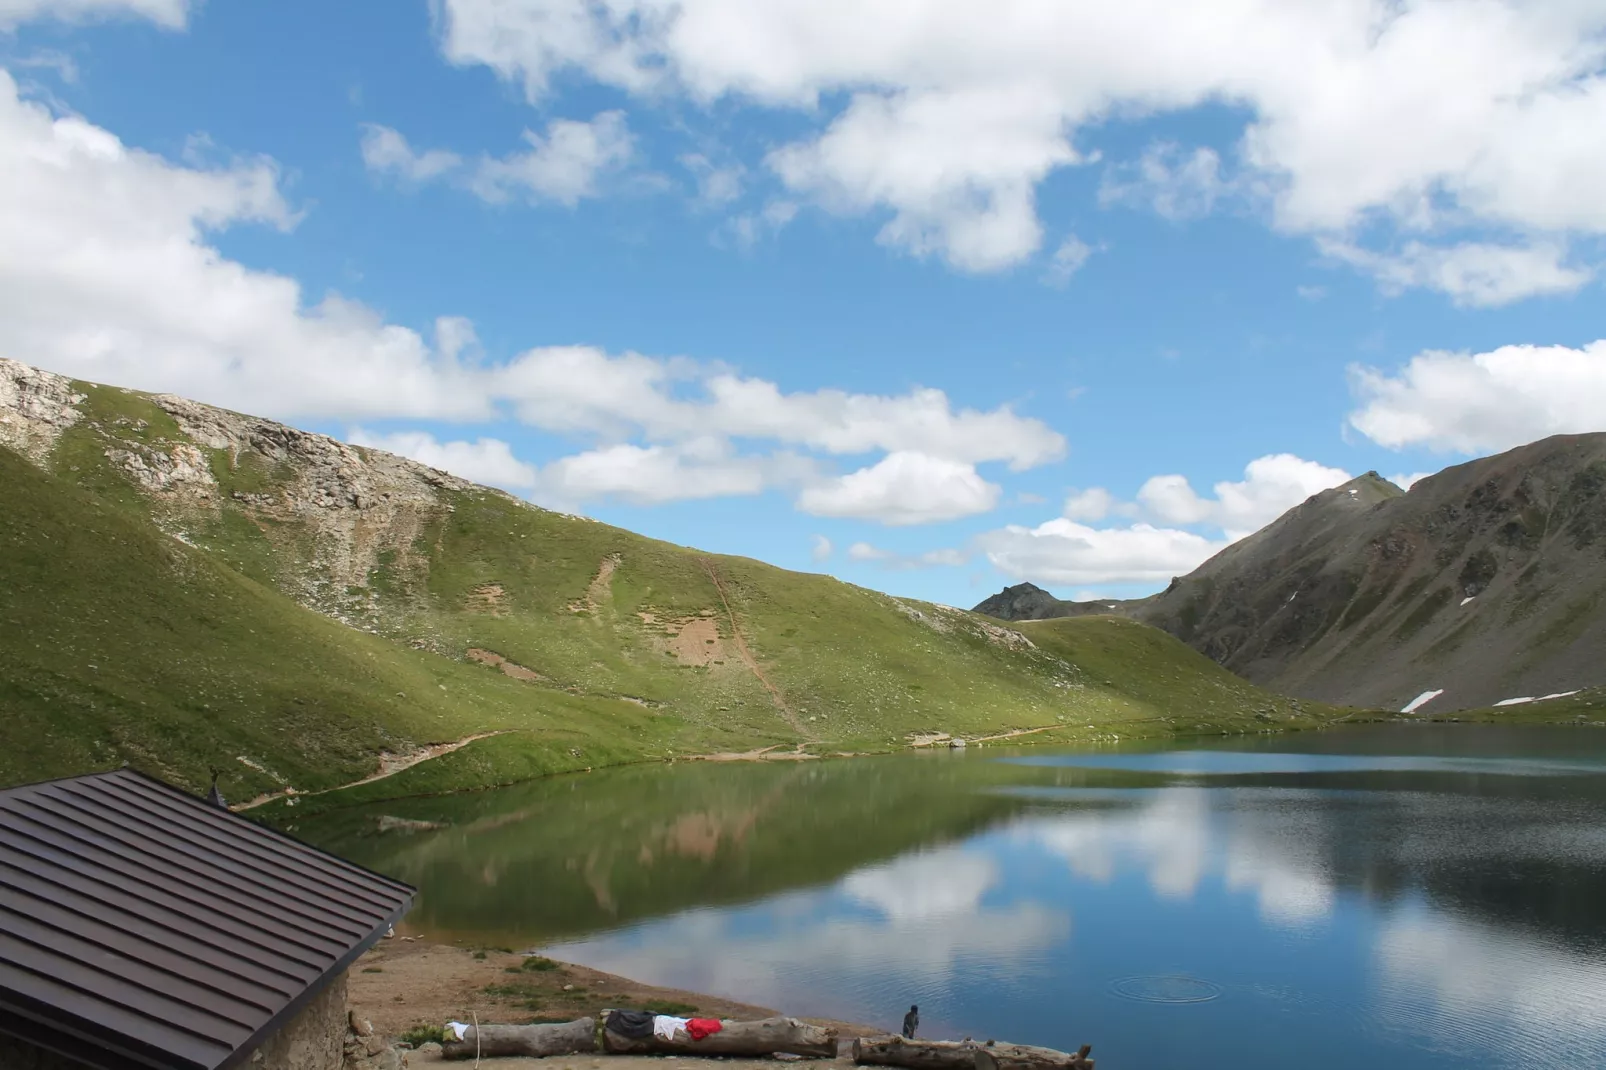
[911,1022]
[637,1025]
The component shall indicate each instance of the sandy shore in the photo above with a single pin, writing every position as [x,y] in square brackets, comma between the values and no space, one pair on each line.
[406,982]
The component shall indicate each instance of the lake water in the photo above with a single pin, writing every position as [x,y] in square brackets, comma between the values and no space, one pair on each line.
[1390,897]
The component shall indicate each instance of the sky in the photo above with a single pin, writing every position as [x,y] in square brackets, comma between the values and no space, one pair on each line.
[932,297]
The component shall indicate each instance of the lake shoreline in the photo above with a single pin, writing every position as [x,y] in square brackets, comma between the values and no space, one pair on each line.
[407,981]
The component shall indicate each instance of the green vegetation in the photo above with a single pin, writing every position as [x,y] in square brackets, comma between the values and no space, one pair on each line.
[1586,707]
[418,1035]
[290,635]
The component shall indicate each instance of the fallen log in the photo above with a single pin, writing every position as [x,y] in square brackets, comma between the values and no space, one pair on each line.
[490,1041]
[767,1036]
[1026,1057]
[964,1055]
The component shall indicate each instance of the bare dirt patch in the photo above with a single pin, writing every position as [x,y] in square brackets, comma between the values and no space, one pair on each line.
[487,598]
[600,588]
[509,668]
[694,641]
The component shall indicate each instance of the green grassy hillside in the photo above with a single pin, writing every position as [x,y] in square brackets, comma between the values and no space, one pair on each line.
[182,587]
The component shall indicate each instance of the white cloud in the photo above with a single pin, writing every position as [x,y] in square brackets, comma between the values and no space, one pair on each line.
[941,558]
[1094,503]
[1271,486]
[1174,184]
[384,151]
[1422,115]
[1071,256]
[107,273]
[171,14]
[1406,482]
[1311,293]
[1063,552]
[958,169]
[821,549]
[715,185]
[653,475]
[489,461]
[1477,402]
[1067,551]
[1473,274]
[905,487]
[562,165]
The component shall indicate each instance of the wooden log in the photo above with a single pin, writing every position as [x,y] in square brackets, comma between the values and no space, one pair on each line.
[491,1041]
[767,1036]
[1027,1057]
[964,1055]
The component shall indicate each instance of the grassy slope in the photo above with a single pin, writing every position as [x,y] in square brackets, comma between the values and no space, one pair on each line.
[202,656]
[1587,707]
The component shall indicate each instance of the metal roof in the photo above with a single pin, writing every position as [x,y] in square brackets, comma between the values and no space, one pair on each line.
[141,927]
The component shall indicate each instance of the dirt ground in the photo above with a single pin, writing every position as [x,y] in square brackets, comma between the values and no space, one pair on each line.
[405,982]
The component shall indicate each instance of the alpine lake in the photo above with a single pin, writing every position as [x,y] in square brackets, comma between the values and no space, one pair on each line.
[1398,897]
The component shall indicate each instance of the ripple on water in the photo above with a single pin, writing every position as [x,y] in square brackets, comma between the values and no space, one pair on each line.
[1166,988]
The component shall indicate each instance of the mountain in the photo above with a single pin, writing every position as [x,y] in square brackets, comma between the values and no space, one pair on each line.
[1484,583]
[183,587]
[1027,601]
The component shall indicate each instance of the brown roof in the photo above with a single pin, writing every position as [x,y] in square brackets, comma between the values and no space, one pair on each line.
[141,927]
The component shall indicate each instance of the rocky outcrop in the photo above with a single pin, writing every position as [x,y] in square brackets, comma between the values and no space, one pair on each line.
[1027,601]
[333,512]
[36,406]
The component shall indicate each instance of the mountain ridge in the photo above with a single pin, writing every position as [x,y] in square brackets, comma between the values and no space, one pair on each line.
[443,611]
[1485,581]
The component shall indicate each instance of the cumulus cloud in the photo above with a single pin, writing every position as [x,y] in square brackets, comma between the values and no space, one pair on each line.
[1061,551]
[1174,184]
[955,112]
[563,165]
[940,558]
[1067,550]
[172,14]
[716,185]
[1095,503]
[1271,486]
[821,549]
[1483,402]
[386,152]
[1406,482]
[107,272]
[1071,256]
[1473,274]
[905,487]
[489,461]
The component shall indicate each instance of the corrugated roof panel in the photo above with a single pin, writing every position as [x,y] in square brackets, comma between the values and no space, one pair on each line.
[141,927]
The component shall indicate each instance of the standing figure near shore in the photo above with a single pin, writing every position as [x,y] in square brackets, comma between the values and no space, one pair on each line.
[911,1022]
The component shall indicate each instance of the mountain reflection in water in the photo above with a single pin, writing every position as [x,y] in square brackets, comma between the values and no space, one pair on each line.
[1391,897]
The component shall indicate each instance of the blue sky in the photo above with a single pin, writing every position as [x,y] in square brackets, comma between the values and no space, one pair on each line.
[934,300]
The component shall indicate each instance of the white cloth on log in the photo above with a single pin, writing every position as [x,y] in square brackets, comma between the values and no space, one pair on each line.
[457,1027]
[667,1026]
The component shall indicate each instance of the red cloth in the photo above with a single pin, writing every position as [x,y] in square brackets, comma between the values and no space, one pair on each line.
[702,1027]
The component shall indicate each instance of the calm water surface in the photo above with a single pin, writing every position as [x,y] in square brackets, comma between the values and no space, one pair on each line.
[1390,897]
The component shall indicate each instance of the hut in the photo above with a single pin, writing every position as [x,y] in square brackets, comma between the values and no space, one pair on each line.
[141,927]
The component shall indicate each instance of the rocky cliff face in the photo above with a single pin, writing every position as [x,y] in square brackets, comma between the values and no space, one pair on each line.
[1486,582]
[332,512]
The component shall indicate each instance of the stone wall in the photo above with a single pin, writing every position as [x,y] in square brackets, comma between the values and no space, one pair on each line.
[313,1039]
